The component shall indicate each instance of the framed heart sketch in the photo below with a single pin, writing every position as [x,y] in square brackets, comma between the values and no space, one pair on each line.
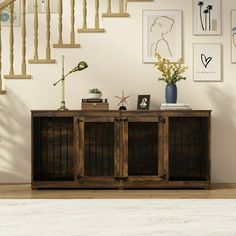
[162,33]
[207,17]
[233,36]
[207,62]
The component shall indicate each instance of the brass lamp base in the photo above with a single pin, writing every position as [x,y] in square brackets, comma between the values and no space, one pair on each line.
[63,106]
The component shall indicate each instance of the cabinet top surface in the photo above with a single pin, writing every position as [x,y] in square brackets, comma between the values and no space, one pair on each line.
[115,113]
[124,111]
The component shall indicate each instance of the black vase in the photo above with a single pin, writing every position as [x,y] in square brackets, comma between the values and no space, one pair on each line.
[171,93]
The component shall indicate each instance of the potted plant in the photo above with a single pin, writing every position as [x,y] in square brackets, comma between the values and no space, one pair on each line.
[171,73]
[95,93]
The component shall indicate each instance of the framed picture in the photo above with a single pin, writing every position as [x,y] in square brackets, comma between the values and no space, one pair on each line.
[233,36]
[162,33]
[42,6]
[143,102]
[206,17]
[5,16]
[207,62]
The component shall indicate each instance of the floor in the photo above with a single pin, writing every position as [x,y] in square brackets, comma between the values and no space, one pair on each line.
[116,217]
[23,191]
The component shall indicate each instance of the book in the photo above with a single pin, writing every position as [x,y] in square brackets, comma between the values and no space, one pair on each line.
[175,108]
[175,105]
[94,100]
[94,106]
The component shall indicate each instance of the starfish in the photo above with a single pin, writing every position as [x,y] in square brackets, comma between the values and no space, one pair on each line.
[122,99]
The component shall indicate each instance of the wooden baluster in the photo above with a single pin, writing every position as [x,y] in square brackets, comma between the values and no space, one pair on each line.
[72,33]
[85,14]
[72,43]
[108,6]
[96,14]
[48,35]
[23,66]
[36,59]
[122,9]
[60,41]
[11,72]
[125,6]
[23,74]
[96,29]
[1,88]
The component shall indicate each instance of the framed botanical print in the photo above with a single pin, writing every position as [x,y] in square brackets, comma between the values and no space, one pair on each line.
[5,16]
[162,33]
[207,17]
[233,36]
[207,62]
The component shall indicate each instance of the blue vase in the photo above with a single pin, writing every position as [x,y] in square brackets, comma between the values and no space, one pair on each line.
[171,93]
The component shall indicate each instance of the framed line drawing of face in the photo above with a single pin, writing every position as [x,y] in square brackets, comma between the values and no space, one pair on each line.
[207,62]
[143,102]
[207,17]
[5,16]
[233,36]
[162,33]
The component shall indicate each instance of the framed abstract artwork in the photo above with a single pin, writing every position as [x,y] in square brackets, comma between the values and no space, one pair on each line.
[162,33]
[5,16]
[233,36]
[207,62]
[207,17]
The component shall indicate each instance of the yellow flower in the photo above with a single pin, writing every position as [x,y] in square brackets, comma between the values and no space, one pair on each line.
[170,72]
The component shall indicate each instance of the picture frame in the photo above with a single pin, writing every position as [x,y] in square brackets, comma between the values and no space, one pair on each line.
[5,16]
[54,6]
[162,33]
[143,102]
[233,36]
[207,17]
[207,64]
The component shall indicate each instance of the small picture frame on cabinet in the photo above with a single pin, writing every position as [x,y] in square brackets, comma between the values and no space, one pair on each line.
[143,102]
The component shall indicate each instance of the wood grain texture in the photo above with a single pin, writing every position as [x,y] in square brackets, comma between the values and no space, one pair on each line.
[6,3]
[23,191]
[152,149]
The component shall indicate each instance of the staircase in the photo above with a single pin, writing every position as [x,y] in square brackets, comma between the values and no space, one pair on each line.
[74,6]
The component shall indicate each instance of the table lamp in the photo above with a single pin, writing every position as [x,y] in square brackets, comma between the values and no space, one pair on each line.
[81,66]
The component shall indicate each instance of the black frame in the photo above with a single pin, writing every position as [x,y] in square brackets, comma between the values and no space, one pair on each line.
[141,99]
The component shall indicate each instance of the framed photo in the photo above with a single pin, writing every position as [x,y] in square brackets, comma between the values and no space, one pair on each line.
[5,16]
[162,33]
[207,62]
[143,102]
[206,17]
[42,6]
[233,36]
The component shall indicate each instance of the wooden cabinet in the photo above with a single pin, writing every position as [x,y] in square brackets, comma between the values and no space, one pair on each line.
[120,149]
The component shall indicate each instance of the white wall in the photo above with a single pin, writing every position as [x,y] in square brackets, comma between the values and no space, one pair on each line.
[115,63]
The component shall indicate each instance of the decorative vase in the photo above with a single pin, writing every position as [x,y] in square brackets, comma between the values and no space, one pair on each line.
[171,93]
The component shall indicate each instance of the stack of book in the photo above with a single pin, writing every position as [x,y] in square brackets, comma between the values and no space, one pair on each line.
[175,106]
[94,104]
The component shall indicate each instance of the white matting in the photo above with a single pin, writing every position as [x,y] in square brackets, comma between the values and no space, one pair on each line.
[117,217]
